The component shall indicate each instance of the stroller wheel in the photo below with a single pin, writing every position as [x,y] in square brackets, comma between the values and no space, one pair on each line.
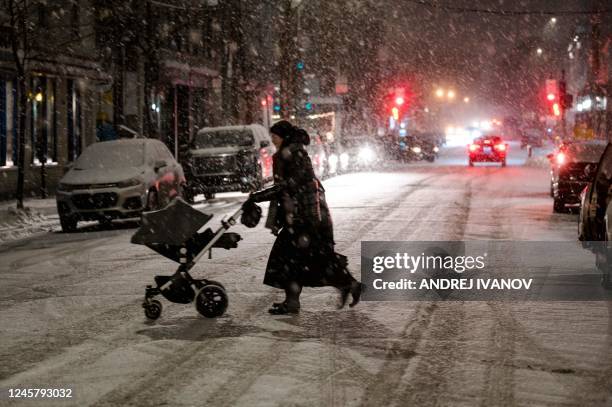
[152,309]
[211,301]
[213,282]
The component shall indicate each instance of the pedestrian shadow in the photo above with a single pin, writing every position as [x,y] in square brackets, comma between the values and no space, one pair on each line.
[343,326]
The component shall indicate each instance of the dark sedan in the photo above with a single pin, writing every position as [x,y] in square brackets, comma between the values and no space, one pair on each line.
[573,167]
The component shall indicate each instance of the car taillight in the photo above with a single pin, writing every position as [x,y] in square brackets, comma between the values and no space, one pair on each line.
[266,162]
[500,147]
[474,147]
[560,158]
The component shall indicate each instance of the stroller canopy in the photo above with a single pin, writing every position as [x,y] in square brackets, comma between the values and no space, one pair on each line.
[172,225]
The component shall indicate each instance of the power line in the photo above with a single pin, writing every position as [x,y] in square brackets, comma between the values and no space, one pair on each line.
[455,9]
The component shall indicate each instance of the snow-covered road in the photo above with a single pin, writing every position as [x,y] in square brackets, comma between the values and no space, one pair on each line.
[71,317]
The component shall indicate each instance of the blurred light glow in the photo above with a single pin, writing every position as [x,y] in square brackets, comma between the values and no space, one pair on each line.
[451,94]
[399,100]
[466,99]
[366,154]
[440,92]
[539,51]
[344,160]
[561,158]
[485,125]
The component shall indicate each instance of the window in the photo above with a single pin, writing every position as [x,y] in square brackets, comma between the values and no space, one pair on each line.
[8,153]
[43,120]
[75,21]
[73,109]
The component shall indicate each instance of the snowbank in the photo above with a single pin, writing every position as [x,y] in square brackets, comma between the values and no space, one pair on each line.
[20,223]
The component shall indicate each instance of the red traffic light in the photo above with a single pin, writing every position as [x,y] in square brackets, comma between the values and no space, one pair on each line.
[551,96]
[399,100]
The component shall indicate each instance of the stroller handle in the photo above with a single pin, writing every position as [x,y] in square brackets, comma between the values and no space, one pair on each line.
[225,225]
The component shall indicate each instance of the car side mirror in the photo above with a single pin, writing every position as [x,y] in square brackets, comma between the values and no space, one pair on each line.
[264,143]
[160,164]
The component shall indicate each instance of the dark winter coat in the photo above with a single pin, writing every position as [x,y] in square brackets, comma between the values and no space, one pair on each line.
[304,248]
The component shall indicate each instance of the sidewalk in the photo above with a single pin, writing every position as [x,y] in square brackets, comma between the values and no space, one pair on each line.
[39,215]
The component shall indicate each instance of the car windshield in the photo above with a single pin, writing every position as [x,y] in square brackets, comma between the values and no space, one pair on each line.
[224,138]
[106,155]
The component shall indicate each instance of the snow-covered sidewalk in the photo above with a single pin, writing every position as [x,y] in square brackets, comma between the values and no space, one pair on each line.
[39,215]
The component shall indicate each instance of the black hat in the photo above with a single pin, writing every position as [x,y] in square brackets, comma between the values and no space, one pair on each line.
[289,133]
[283,129]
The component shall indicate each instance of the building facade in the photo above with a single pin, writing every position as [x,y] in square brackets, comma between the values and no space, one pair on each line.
[61,96]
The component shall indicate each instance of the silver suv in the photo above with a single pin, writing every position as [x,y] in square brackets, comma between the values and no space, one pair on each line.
[118,179]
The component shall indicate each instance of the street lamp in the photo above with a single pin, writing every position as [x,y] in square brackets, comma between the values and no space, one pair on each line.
[539,51]
[466,99]
[553,20]
[440,92]
[451,94]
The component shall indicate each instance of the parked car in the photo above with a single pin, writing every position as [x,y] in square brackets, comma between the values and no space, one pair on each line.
[226,159]
[489,148]
[595,220]
[118,179]
[573,167]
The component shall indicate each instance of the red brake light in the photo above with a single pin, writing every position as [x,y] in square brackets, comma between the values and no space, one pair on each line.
[500,147]
[561,158]
[487,141]
[474,147]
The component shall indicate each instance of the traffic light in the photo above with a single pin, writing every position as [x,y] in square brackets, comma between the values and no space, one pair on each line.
[552,97]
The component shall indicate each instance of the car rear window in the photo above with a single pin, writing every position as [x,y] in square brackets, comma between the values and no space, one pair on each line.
[108,154]
[224,138]
[585,152]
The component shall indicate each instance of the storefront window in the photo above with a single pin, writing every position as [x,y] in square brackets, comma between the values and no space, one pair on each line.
[44,120]
[8,154]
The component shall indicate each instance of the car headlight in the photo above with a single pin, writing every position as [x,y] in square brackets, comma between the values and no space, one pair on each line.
[129,183]
[366,154]
[64,187]
[416,149]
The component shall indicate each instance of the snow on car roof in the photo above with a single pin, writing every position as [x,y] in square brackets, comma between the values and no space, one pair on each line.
[226,128]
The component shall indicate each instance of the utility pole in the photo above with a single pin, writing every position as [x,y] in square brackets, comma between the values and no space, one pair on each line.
[289,51]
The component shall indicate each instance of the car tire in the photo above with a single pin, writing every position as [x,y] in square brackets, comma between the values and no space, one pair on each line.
[68,224]
[209,195]
[503,163]
[152,201]
[559,205]
[606,280]
[471,163]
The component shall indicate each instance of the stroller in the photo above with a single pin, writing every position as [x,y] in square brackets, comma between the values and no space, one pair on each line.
[173,233]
